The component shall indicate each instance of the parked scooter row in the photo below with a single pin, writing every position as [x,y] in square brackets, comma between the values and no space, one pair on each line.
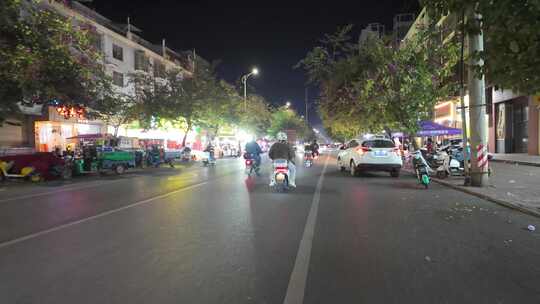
[447,161]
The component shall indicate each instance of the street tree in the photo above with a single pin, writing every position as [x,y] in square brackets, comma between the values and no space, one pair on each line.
[117,108]
[511,34]
[188,97]
[379,87]
[286,119]
[45,57]
[222,109]
[256,117]
[413,78]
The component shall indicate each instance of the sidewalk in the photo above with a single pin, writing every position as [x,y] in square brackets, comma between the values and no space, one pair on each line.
[512,185]
[517,158]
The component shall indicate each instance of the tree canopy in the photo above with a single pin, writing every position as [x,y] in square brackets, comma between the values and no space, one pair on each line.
[44,57]
[512,38]
[286,119]
[377,86]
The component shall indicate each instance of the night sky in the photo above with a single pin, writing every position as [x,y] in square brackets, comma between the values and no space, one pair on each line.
[272,35]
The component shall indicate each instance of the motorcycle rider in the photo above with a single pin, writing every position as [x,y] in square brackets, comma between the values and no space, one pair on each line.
[282,150]
[254,151]
[210,149]
[315,148]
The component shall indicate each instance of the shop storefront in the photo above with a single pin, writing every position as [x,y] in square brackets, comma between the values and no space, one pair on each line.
[511,123]
[446,114]
[53,132]
[169,138]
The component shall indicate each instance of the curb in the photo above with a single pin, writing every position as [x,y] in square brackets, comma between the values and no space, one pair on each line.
[510,205]
[514,162]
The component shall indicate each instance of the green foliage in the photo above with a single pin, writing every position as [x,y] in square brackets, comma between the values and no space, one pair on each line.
[257,118]
[379,87]
[512,38]
[222,109]
[117,108]
[44,56]
[186,98]
[286,119]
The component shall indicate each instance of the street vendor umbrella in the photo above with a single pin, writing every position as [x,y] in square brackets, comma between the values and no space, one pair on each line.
[430,128]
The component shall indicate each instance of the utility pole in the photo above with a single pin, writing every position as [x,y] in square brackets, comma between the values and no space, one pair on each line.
[307,105]
[464,124]
[477,106]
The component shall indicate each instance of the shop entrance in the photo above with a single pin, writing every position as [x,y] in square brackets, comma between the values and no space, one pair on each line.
[512,134]
[520,127]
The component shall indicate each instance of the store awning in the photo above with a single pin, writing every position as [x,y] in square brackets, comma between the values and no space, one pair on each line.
[430,128]
[90,136]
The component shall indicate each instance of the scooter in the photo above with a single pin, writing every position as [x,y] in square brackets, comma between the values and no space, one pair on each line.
[251,165]
[421,168]
[450,166]
[209,159]
[308,158]
[26,172]
[281,175]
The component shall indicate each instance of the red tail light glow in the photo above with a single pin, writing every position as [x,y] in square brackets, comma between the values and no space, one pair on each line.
[362,150]
[282,169]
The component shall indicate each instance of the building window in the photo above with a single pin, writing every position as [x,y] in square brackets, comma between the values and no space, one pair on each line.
[95,40]
[159,69]
[118,79]
[118,52]
[141,61]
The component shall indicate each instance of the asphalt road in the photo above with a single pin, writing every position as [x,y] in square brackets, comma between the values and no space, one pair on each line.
[212,235]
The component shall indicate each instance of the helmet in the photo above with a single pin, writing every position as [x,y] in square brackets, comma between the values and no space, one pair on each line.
[281,136]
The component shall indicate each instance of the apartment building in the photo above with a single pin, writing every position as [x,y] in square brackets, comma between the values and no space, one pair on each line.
[124,52]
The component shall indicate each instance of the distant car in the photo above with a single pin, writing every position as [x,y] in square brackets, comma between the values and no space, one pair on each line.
[377,154]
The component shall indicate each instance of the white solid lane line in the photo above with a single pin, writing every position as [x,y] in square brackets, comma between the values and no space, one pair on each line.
[297,282]
[64,226]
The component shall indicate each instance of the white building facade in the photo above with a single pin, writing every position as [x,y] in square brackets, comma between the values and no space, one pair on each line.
[123,53]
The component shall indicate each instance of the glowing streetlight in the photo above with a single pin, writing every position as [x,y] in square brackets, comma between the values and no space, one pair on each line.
[255,72]
[288,104]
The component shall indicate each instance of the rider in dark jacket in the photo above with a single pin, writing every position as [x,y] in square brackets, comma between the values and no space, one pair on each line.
[315,148]
[282,150]
[254,151]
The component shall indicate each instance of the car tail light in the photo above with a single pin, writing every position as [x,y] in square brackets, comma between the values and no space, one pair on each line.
[248,162]
[362,150]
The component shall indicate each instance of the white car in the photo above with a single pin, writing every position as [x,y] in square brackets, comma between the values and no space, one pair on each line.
[376,154]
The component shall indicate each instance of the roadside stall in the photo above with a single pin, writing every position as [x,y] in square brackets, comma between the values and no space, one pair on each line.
[438,131]
[97,153]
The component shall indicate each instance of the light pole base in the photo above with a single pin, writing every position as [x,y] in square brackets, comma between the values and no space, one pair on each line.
[479,179]
[467,181]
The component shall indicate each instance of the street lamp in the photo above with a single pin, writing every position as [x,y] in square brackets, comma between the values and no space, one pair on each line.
[255,72]
[288,104]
